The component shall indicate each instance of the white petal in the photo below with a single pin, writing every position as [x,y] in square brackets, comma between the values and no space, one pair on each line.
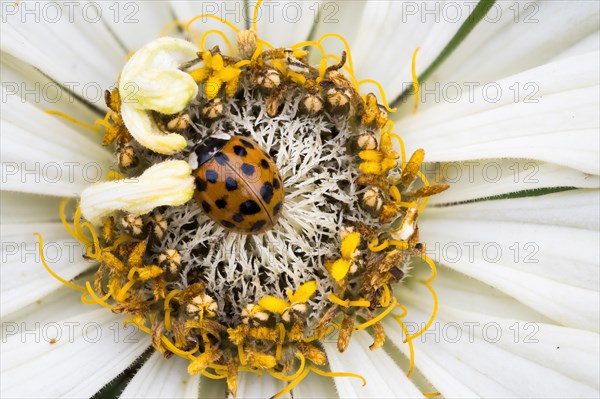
[232,11]
[585,45]
[315,386]
[475,364]
[163,378]
[384,378]
[487,178]
[539,260]
[573,208]
[390,31]
[210,388]
[24,279]
[287,22]
[166,183]
[28,208]
[485,56]
[56,160]
[60,304]
[27,84]
[136,22]
[252,386]
[559,125]
[438,371]
[77,54]
[91,350]
[458,290]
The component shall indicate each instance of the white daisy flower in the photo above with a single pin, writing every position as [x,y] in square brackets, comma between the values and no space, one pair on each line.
[347,280]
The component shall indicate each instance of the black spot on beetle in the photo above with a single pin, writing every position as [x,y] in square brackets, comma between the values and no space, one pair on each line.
[240,151]
[258,225]
[221,203]
[264,164]
[206,206]
[231,184]
[212,176]
[266,192]
[277,208]
[227,224]
[221,158]
[200,184]
[247,144]
[248,169]
[249,207]
[276,183]
[238,217]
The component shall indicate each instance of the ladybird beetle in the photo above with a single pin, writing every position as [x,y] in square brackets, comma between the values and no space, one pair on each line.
[237,183]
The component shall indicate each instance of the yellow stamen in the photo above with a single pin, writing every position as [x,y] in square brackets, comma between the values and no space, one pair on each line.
[349,245]
[63,218]
[131,273]
[337,61]
[242,354]
[403,309]
[281,329]
[377,318]
[171,25]
[431,394]
[426,199]
[166,341]
[93,128]
[311,43]
[348,53]
[381,93]
[415,80]
[267,44]
[49,270]
[363,303]
[322,69]
[95,241]
[401,145]
[273,304]
[398,244]
[411,348]
[374,245]
[292,377]
[395,193]
[255,15]
[303,293]
[118,241]
[96,299]
[257,52]
[327,332]
[338,374]
[386,297]
[213,376]
[168,309]
[197,17]
[77,227]
[292,384]
[220,33]
[114,175]
[122,294]
[260,360]
[427,283]
[242,63]
[315,370]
